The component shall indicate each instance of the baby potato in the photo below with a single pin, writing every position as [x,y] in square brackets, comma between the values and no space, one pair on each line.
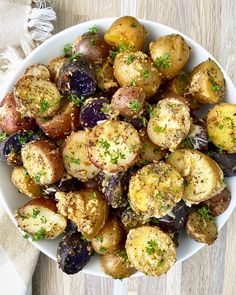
[137,69]
[38,70]
[206,83]
[86,208]
[221,126]
[24,183]
[126,31]
[170,54]
[128,101]
[200,228]
[55,65]
[117,265]
[109,238]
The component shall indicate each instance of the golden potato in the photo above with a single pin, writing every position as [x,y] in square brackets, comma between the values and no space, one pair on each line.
[126,32]
[170,54]
[221,126]
[206,83]
[137,69]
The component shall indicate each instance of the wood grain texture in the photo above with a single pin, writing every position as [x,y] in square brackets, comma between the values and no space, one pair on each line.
[212,271]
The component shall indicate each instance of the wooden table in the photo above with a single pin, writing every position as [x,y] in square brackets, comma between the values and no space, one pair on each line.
[212,271]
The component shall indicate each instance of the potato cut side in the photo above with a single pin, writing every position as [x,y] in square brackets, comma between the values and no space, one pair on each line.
[155,189]
[169,123]
[75,157]
[55,65]
[113,146]
[40,219]
[203,177]
[36,97]
[221,126]
[39,71]
[43,162]
[150,250]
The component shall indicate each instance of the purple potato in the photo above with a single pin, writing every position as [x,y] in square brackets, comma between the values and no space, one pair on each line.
[77,77]
[136,122]
[73,253]
[227,162]
[175,221]
[67,185]
[93,111]
[71,227]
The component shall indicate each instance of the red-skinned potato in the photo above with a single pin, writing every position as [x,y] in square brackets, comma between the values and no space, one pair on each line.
[63,123]
[40,219]
[10,119]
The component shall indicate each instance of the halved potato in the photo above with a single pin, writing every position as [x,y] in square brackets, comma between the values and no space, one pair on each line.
[40,219]
[206,83]
[155,189]
[86,208]
[36,97]
[39,71]
[150,250]
[203,177]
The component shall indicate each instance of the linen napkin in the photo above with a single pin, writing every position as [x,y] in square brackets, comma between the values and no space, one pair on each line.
[24,24]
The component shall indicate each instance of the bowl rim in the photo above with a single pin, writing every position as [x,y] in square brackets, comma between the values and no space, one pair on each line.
[87,24]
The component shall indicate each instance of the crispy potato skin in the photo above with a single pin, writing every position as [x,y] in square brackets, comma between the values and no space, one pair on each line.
[206,83]
[38,70]
[86,208]
[150,250]
[127,31]
[117,265]
[201,230]
[137,69]
[24,183]
[109,238]
[219,203]
[62,123]
[55,65]
[170,54]
[10,118]
[221,122]
[128,101]
[42,161]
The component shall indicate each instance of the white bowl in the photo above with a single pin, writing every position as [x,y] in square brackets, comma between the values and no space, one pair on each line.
[53,47]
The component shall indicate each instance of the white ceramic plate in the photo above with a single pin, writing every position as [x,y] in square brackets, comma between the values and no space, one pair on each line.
[12,200]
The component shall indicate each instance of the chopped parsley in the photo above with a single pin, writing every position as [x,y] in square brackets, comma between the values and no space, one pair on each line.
[152,245]
[102,250]
[205,213]
[187,143]
[99,239]
[215,87]
[146,73]
[145,121]
[113,54]
[105,108]
[94,195]
[210,153]
[25,173]
[3,136]
[151,111]
[159,196]
[163,61]
[22,140]
[93,30]
[123,254]
[83,238]
[39,235]
[124,47]
[234,140]
[35,213]
[104,143]
[93,41]
[75,56]
[77,100]
[73,160]
[130,59]
[133,83]
[165,207]
[135,105]
[23,216]
[67,49]
[37,178]
[43,219]
[117,154]
[26,236]
[44,106]
[159,129]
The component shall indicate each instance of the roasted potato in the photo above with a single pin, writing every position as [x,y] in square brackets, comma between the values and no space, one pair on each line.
[113,146]
[150,250]
[221,126]
[11,120]
[109,238]
[126,32]
[39,71]
[203,177]
[55,65]
[137,69]
[25,185]
[227,162]
[219,203]
[206,83]
[169,123]
[130,219]
[201,228]
[86,208]
[75,157]
[170,54]
[128,101]
[77,77]
[36,98]
[40,219]
[62,123]
[117,265]
[43,162]
[155,189]
[178,84]
[92,46]
[73,253]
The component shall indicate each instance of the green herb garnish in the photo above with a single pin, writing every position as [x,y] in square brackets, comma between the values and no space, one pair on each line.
[163,62]
[150,249]
[187,143]
[123,254]
[102,250]
[44,106]
[77,100]
[67,49]
[3,136]
[105,108]
[93,30]
[165,207]
[99,239]
[35,213]
[39,235]
[135,105]
[133,83]
[75,56]
[146,74]
[104,143]
[130,59]
[93,41]
[159,196]
[94,195]
[37,178]
[205,213]
[159,129]
[43,219]
[73,160]
[113,54]
[215,87]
